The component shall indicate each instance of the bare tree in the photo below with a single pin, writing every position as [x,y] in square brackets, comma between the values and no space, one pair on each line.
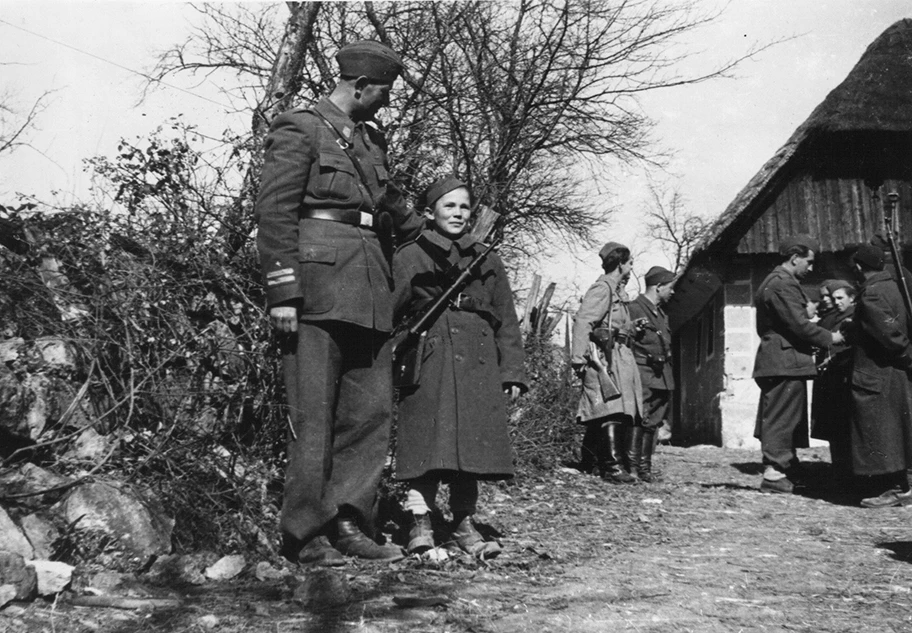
[528,101]
[669,222]
[15,125]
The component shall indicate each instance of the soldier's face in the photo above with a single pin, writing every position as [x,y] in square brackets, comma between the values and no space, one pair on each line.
[625,268]
[826,300]
[375,96]
[842,300]
[804,265]
[664,292]
[451,212]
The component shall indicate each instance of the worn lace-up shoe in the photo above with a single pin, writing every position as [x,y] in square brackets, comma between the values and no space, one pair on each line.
[889,499]
[472,542]
[318,552]
[421,536]
[352,541]
[778,486]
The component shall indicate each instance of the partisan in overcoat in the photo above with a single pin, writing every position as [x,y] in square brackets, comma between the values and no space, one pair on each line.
[831,399]
[603,296]
[783,363]
[323,238]
[456,419]
[881,392]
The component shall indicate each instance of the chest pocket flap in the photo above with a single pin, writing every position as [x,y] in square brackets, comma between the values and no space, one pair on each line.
[331,161]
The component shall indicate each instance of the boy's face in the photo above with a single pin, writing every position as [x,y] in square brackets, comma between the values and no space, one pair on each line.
[451,213]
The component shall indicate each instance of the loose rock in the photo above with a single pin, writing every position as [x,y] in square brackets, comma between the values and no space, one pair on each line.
[7,594]
[53,576]
[226,568]
[41,533]
[14,571]
[138,525]
[12,537]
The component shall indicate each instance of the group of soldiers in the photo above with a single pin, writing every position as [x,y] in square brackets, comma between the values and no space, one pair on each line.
[330,219]
[621,350]
[862,394]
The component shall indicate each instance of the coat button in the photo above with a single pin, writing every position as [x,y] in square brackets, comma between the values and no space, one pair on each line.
[454,330]
[482,360]
[459,358]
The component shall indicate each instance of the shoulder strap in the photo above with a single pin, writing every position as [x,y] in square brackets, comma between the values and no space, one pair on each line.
[345,146]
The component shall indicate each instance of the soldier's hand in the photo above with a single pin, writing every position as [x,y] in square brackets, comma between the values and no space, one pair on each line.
[838,338]
[284,318]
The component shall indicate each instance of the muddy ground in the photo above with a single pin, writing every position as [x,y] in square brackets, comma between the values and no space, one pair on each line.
[702,550]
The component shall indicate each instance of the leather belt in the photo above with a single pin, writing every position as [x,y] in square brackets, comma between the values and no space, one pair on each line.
[624,339]
[347,216]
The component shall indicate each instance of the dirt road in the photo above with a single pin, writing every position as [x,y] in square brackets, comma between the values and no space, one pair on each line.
[701,551]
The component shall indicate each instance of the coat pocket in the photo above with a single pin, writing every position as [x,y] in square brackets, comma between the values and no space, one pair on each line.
[335,179]
[317,270]
[867,381]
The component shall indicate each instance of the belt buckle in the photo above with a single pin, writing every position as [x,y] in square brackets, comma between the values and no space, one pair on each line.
[366,219]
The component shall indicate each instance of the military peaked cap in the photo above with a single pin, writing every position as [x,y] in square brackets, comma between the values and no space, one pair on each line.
[658,275]
[370,59]
[798,240]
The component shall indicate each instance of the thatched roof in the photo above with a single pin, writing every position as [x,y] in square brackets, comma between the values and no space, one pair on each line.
[876,96]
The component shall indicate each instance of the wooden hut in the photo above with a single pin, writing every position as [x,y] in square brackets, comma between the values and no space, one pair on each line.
[830,180]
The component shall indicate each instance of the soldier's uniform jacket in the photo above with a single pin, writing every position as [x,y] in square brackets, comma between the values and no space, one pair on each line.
[787,336]
[333,270]
[652,347]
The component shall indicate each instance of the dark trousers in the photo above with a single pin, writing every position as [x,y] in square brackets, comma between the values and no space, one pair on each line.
[656,404]
[782,418]
[339,386]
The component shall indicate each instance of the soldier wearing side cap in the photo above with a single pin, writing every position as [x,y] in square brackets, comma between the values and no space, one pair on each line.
[612,399]
[881,421]
[785,361]
[652,350]
[328,215]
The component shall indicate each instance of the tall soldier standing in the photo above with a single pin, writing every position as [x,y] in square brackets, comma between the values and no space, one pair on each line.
[327,214]
[652,350]
[881,435]
[785,361]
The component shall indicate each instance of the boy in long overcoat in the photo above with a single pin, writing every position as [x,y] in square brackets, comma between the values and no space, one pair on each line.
[453,428]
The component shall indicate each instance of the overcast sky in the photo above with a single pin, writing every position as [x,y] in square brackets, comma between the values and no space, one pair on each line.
[720,132]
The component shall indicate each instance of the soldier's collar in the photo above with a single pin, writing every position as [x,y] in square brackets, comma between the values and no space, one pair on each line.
[464,243]
[340,121]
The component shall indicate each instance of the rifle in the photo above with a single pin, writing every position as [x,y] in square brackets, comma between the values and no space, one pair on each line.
[900,278]
[409,339]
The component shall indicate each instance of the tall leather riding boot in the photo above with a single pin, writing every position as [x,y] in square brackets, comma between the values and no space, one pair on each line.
[648,443]
[613,470]
[590,448]
[634,448]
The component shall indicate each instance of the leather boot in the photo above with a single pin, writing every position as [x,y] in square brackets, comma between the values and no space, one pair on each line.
[634,448]
[648,443]
[590,448]
[613,470]
[421,536]
[470,540]
[351,541]
[320,553]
